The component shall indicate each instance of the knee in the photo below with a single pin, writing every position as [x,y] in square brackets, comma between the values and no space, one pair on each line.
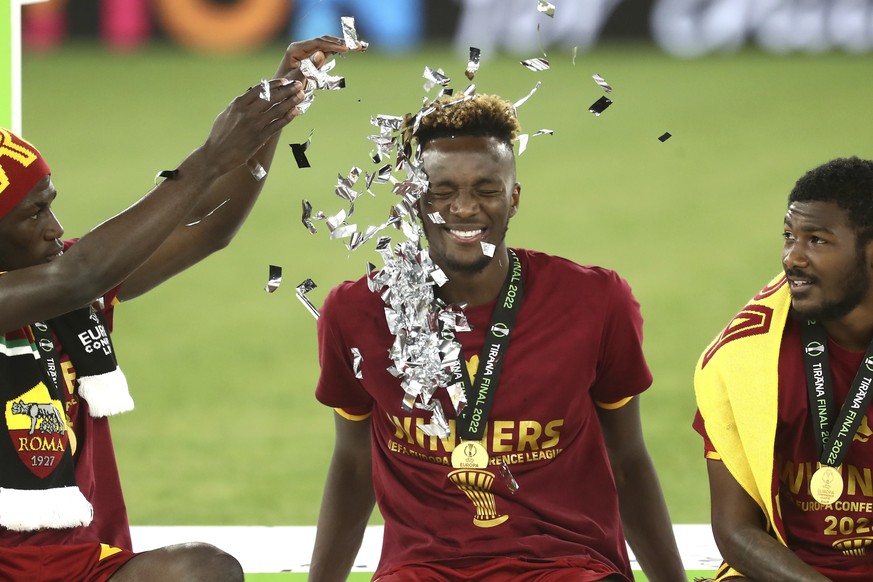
[198,561]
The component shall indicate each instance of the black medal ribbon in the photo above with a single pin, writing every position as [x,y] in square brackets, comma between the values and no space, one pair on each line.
[49,359]
[480,396]
[833,436]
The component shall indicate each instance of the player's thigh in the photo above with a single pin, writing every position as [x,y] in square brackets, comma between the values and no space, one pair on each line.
[194,562]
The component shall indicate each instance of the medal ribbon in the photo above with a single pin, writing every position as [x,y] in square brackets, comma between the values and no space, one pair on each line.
[48,358]
[480,396]
[833,437]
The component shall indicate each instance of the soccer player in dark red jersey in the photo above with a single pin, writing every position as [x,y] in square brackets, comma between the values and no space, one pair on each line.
[783,397]
[544,474]
[62,514]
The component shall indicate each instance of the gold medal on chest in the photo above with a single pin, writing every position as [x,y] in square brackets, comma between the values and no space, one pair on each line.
[470,455]
[826,484]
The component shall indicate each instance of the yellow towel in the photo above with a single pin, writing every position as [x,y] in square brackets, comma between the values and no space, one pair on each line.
[736,383]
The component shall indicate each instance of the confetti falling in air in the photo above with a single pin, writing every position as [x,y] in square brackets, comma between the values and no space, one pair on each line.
[301,291]
[473,63]
[165,175]
[299,151]
[274,279]
[523,139]
[522,101]
[602,82]
[665,137]
[434,78]
[546,8]
[536,64]
[350,35]
[600,106]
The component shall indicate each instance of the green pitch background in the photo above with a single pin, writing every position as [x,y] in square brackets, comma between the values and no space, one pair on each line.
[227,430]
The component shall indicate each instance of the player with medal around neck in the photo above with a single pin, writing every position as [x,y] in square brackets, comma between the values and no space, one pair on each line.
[473,186]
[827,259]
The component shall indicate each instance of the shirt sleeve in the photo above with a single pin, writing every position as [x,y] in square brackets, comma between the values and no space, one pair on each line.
[622,371]
[708,450]
[337,386]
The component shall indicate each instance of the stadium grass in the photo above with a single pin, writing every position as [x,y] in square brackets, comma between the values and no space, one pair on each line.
[227,430]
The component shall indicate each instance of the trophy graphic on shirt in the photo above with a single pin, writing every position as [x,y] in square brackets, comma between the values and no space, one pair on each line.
[856,547]
[476,485]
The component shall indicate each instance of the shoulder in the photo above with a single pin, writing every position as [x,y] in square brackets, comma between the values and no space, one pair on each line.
[543,268]
[350,298]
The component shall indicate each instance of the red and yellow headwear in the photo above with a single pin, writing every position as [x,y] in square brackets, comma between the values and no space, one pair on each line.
[21,168]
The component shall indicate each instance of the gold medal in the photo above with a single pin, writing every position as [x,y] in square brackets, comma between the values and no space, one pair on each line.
[826,484]
[470,455]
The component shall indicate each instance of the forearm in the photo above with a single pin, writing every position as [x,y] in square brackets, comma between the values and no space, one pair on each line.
[759,556]
[646,521]
[345,510]
[227,203]
[107,254]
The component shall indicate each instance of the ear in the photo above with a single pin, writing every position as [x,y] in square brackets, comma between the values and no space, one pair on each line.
[516,194]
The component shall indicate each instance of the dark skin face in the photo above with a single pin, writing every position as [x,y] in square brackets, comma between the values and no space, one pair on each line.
[30,234]
[473,187]
[829,275]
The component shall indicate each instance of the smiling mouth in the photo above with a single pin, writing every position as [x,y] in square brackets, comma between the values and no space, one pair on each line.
[800,284]
[467,235]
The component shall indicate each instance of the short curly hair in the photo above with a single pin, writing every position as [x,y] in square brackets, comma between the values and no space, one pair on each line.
[481,115]
[848,182]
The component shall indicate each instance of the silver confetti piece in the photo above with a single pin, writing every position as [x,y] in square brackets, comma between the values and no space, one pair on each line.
[307,217]
[600,106]
[488,248]
[522,101]
[265,90]
[473,63]
[434,78]
[301,291]
[390,122]
[546,8]
[350,35]
[438,426]
[356,363]
[536,64]
[274,280]
[602,82]
[439,277]
[436,218]
[343,231]
[506,476]
[257,170]
[208,214]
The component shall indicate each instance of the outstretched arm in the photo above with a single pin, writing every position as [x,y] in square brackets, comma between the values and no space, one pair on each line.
[230,198]
[346,504]
[738,525]
[644,513]
[113,250]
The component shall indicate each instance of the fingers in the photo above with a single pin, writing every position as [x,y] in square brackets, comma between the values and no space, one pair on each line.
[304,49]
[284,99]
[317,49]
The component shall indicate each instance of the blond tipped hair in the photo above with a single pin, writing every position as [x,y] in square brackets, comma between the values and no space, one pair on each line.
[483,115]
